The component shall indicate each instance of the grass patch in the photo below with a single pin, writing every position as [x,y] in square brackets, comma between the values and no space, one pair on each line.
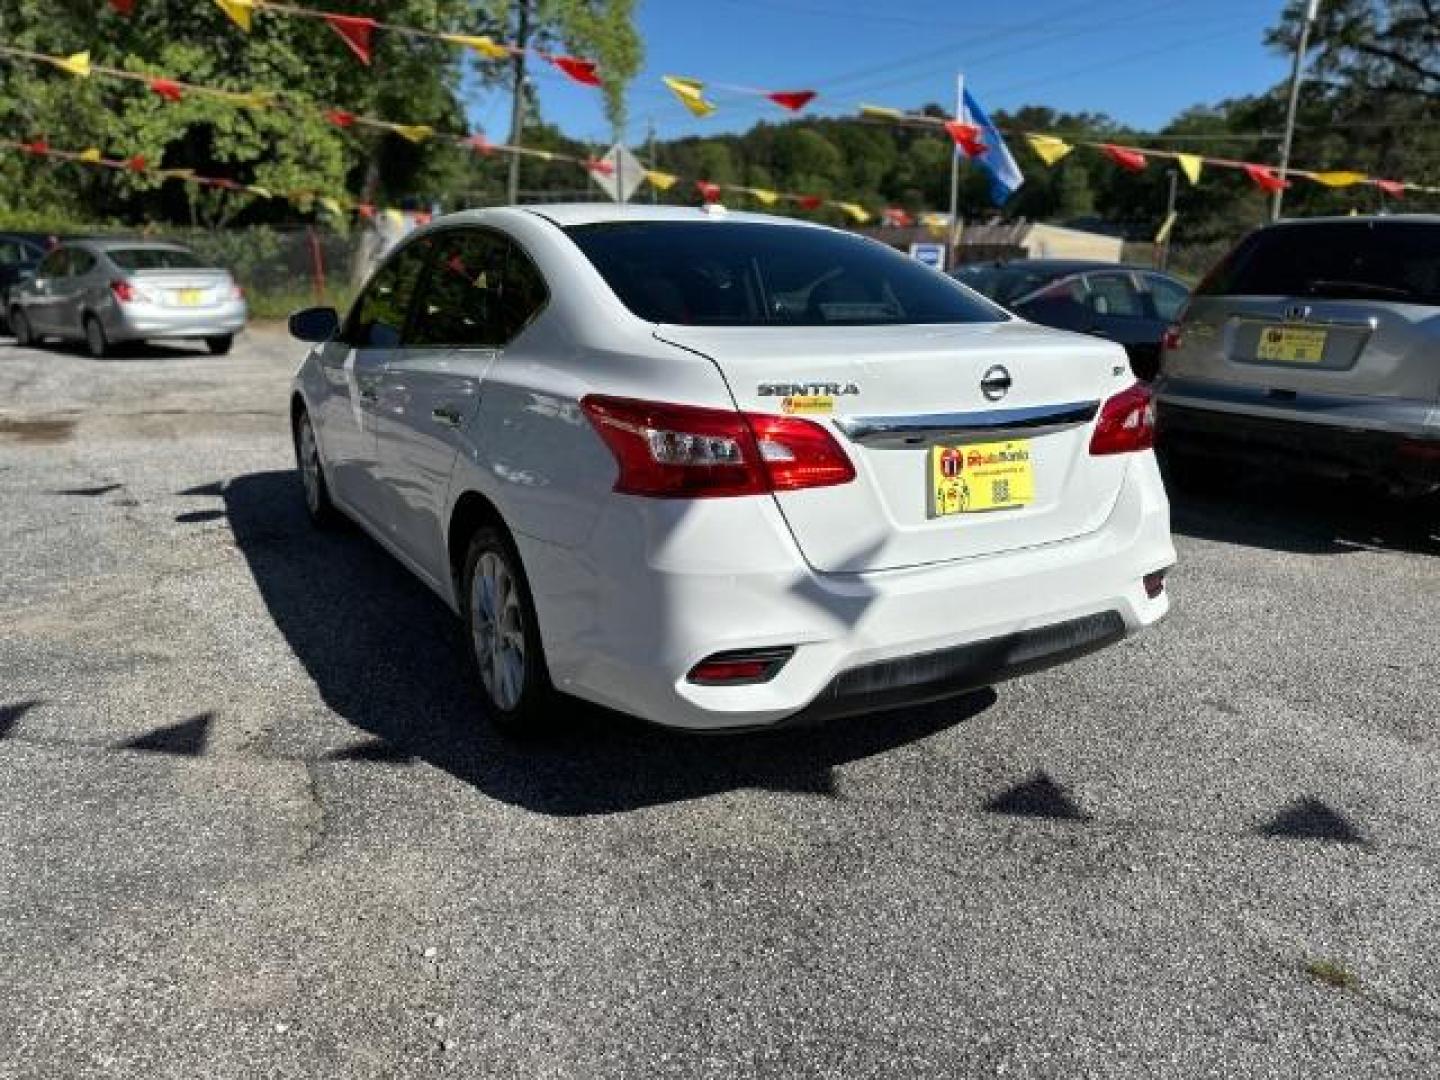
[266,305]
[1331,974]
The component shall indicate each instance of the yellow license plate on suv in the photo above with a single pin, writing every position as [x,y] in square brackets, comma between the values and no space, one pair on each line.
[980,476]
[1292,344]
[190,297]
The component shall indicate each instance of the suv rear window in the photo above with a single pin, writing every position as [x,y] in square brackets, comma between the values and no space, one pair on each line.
[153,259]
[1361,260]
[714,273]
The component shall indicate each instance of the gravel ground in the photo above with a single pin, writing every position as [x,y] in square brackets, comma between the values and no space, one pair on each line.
[250,825]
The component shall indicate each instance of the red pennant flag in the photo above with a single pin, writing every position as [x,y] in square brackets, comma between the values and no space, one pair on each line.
[898,217]
[809,202]
[124,7]
[967,137]
[38,147]
[794,100]
[1394,188]
[1264,179]
[355,31]
[366,210]
[423,217]
[137,163]
[340,118]
[708,191]
[169,89]
[480,144]
[1132,160]
[582,71]
[604,168]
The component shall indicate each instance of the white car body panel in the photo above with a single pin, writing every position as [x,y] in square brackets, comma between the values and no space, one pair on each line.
[630,591]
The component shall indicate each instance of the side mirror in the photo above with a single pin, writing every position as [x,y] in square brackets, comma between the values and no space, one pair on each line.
[315,324]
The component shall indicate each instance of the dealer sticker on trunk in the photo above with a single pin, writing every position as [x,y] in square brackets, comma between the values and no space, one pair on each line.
[980,477]
[808,404]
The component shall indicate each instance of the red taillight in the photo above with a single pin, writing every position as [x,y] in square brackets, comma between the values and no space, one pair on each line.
[124,291]
[684,451]
[1171,339]
[1126,424]
[237,291]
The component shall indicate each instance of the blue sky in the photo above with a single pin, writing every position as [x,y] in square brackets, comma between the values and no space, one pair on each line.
[1141,61]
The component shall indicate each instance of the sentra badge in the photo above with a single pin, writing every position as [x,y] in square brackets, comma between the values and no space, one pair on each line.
[807,389]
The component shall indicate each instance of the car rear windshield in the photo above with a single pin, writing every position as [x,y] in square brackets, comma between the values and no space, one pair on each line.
[710,273]
[153,259]
[1341,260]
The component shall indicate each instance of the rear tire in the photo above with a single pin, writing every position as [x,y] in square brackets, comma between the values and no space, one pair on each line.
[96,343]
[323,514]
[219,345]
[20,327]
[503,635]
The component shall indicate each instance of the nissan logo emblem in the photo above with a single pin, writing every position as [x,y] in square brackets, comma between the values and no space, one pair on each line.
[995,383]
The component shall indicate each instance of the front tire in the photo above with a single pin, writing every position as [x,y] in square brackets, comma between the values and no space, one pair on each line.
[503,634]
[323,514]
[20,327]
[96,343]
[219,345]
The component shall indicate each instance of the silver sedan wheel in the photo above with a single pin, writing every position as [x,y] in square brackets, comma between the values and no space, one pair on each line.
[498,626]
[309,465]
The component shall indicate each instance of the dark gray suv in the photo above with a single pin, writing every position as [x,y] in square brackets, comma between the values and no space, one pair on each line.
[1315,345]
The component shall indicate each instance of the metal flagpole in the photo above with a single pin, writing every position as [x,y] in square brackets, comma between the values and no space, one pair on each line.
[953,230]
[1312,9]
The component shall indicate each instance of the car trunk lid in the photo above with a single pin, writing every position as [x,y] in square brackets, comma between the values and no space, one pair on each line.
[185,287]
[896,397]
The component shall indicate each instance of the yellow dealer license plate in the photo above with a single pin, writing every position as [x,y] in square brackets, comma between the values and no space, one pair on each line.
[1293,344]
[980,476]
[190,297]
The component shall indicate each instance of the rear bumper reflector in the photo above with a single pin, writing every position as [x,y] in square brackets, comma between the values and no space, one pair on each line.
[740,667]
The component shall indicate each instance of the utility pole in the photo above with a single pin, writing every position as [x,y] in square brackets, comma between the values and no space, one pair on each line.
[1164,259]
[1312,9]
[952,231]
[650,155]
[517,99]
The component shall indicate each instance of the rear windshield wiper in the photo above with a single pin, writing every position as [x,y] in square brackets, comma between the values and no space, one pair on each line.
[1328,285]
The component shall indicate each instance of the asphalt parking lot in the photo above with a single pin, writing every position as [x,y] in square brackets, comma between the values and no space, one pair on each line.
[251,824]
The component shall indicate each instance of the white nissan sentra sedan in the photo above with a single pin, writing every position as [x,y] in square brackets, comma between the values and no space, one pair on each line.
[724,470]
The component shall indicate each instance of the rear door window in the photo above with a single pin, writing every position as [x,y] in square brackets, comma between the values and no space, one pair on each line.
[1335,260]
[54,265]
[81,262]
[460,301]
[1114,295]
[718,273]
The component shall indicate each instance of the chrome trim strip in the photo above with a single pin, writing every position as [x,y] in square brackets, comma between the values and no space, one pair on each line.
[932,429]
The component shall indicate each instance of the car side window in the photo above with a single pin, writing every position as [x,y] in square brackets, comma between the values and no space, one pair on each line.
[523,296]
[13,253]
[1115,294]
[460,303]
[81,262]
[1168,297]
[377,320]
[54,264]
[1061,304]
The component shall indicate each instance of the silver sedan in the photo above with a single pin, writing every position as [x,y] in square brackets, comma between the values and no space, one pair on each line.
[104,292]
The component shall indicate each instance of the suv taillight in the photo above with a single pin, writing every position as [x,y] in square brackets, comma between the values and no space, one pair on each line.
[684,451]
[124,291]
[1126,424]
[1171,339]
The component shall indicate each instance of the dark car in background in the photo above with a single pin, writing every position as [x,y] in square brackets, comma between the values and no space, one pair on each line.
[1130,305]
[1313,346]
[20,254]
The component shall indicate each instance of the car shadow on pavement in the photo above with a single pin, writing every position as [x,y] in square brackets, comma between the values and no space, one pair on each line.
[388,657]
[1302,516]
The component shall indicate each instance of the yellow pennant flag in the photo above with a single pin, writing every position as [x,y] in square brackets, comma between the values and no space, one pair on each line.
[332,205]
[91,155]
[691,93]
[1163,234]
[543,155]
[248,99]
[77,64]
[485,46]
[664,181]
[1340,179]
[935,224]
[1048,148]
[854,211]
[766,196]
[416,133]
[264,193]
[881,112]
[395,217]
[239,11]
[177,174]
[1190,165]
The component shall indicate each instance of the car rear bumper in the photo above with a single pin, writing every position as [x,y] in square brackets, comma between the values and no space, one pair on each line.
[675,586]
[143,321]
[1395,445]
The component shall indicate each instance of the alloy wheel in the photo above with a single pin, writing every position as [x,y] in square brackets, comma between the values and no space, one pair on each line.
[498,622]
[309,465]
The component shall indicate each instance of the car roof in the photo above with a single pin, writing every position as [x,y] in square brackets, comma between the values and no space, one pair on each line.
[567,214]
[120,243]
[1357,219]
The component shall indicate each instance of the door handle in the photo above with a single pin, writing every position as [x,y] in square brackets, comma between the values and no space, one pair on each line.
[446,416]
